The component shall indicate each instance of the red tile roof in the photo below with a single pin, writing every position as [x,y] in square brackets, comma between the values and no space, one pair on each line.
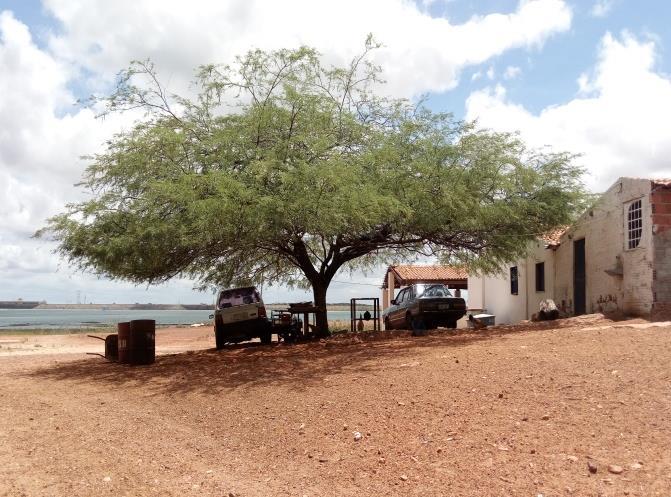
[551,238]
[415,274]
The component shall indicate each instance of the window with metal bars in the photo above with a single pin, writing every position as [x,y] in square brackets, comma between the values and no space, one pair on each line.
[634,224]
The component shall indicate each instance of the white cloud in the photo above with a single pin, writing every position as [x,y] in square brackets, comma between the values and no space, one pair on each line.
[601,8]
[41,138]
[491,73]
[421,53]
[42,135]
[618,119]
[512,72]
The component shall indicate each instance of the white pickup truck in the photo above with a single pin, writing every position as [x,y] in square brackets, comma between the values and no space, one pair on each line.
[240,315]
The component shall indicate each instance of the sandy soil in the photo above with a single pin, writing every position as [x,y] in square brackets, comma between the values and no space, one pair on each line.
[509,411]
[168,340]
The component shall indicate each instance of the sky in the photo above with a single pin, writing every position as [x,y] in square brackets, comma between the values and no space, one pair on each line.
[591,77]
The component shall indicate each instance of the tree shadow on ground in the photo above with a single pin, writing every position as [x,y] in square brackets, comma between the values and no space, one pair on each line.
[294,366]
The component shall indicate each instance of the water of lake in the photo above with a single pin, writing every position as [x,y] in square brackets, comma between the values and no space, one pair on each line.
[78,318]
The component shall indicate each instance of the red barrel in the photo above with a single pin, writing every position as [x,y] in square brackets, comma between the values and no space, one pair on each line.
[123,341]
[143,341]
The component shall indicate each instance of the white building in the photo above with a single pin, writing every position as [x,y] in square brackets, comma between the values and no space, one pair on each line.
[615,258]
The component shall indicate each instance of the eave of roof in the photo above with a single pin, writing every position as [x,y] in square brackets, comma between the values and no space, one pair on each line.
[417,273]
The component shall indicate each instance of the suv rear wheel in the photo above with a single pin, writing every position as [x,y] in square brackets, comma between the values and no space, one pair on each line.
[219,331]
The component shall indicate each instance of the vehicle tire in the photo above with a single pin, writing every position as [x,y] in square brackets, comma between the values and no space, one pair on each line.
[418,327]
[219,339]
[408,321]
[387,324]
[267,337]
[452,325]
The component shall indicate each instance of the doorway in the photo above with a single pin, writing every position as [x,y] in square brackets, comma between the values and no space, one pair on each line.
[579,278]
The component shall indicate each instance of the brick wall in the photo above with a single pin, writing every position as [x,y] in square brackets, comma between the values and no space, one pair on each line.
[660,200]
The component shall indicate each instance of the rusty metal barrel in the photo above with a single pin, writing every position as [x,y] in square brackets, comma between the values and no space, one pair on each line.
[124,349]
[112,347]
[143,341]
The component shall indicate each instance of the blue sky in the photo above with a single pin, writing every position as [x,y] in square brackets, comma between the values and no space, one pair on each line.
[549,73]
[590,77]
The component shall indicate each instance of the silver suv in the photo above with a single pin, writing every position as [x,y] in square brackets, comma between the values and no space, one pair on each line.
[240,315]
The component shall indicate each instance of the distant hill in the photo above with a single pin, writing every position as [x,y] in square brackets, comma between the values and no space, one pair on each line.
[26,304]
[129,307]
[18,304]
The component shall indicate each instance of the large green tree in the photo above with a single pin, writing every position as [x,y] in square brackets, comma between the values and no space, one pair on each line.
[284,170]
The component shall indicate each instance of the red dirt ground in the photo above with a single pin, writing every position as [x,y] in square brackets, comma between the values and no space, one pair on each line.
[508,411]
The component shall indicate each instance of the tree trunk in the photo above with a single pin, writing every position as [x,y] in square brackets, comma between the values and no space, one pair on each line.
[319,291]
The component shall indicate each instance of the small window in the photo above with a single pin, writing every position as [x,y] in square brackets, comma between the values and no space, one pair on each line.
[513,280]
[634,224]
[540,277]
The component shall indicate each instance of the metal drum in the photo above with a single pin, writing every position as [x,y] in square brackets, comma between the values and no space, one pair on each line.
[111,347]
[143,341]
[124,343]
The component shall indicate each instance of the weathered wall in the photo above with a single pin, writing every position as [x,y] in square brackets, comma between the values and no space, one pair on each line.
[539,253]
[496,297]
[660,200]
[604,230]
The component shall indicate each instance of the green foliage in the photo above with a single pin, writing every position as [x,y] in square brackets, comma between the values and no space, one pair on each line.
[282,170]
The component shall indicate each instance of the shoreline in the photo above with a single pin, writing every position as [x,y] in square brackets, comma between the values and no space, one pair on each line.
[161,307]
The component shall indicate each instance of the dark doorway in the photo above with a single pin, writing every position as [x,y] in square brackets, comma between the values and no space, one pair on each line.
[579,280]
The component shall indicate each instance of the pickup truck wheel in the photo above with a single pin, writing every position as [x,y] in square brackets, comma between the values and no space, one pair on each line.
[452,324]
[387,324]
[408,321]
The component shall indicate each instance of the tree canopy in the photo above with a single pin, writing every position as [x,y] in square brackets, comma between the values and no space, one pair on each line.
[284,170]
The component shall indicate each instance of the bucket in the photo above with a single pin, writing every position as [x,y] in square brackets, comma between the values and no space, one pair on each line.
[112,348]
